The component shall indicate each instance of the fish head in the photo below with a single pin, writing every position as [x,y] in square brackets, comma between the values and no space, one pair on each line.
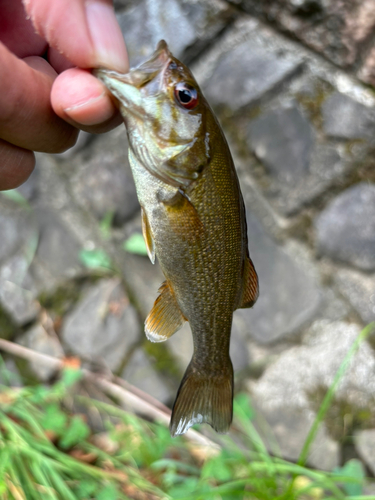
[166,116]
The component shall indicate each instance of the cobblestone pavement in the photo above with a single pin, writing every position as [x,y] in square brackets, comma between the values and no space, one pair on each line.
[287,81]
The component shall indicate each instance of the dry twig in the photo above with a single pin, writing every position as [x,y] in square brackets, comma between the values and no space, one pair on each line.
[130,396]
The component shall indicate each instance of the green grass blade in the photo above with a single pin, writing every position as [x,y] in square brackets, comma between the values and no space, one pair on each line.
[331,392]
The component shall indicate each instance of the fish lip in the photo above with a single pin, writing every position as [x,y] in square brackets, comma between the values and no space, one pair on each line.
[143,73]
[126,86]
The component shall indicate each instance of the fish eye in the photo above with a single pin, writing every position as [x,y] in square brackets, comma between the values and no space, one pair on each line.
[186,95]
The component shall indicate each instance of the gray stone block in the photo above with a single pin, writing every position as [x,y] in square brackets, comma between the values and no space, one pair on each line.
[301,370]
[103,183]
[289,296]
[290,426]
[246,72]
[57,255]
[283,140]
[18,291]
[285,392]
[345,229]
[38,339]
[181,23]
[359,289]
[103,325]
[345,118]
[16,228]
[140,372]
[364,442]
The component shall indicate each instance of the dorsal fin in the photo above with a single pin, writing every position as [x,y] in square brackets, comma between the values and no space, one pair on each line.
[250,285]
[165,317]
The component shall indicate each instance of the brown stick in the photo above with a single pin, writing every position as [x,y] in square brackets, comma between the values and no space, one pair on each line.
[125,396]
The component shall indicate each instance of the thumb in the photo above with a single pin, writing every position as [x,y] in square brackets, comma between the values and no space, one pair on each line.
[85,31]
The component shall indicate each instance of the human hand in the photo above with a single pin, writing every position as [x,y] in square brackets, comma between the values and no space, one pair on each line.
[45,91]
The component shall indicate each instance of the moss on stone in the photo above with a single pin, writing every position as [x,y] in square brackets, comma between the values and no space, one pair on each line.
[61,299]
[8,329]
[313,103]
[164,360]
[27,375]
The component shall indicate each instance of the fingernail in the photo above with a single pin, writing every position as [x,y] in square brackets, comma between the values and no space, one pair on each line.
[109,45]
[91,112]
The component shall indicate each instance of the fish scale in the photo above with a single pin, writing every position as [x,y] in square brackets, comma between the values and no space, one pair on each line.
[193,221]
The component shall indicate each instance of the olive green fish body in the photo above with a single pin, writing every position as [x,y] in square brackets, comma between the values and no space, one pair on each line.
[194,222]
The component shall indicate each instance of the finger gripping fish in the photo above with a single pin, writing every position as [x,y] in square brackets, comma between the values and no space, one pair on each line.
[193,220]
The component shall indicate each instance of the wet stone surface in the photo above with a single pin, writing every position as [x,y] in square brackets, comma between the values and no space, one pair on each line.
[38,339]
[283,140]
[346,227]
[17,227]
[244,73]
[344,118]
[365,445]
[359,290]
[276,315]
[102,326]
[140,372]
[186,26]
[103,184]
[302,374]
[336,29]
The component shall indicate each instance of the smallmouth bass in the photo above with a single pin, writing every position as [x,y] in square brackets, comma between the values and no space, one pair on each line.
[193,220]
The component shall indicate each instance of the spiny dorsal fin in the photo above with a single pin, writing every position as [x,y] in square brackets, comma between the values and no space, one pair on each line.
[250,290]
[165,317]
[148,237]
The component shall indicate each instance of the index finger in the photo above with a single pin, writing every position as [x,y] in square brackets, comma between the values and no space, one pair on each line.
[85,32]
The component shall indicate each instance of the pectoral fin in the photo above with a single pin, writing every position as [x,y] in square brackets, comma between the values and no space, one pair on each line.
[165,317]
[250,290]
[183,217]
[148,237]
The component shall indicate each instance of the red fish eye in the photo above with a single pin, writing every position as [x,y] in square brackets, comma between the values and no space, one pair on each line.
[186,95]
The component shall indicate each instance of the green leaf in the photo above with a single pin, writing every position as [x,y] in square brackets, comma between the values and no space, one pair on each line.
[216,468]
[70,376]
[135,244]
[186,487]
[76,432]
[352,469]
[242,403]
[39,394]
[54,419]
[3,488]
[109,492]
[95,259]
[16,196]
[106,224]
[87,488]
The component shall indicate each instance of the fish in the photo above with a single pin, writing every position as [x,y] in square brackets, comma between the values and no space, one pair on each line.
[193,221]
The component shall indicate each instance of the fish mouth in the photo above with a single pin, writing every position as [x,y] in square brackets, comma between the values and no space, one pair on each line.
[126,87]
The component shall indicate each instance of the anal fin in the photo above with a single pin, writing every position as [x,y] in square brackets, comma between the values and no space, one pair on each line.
[250,290]
[148,237]
[165,317]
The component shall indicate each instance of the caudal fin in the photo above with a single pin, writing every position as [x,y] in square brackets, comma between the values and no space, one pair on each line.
[203,397]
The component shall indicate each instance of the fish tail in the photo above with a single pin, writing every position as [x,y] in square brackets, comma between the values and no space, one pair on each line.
[204,397]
